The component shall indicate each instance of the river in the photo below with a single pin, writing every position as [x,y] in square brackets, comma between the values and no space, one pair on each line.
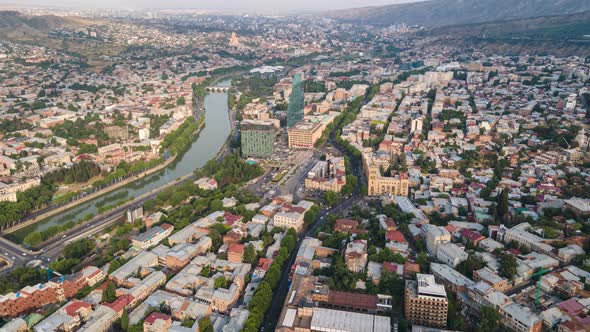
[204,148]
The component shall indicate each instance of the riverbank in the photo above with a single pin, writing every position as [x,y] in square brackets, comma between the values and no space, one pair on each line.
[206,146]
[117,211]
[105,219]
[86,198]
[96,194]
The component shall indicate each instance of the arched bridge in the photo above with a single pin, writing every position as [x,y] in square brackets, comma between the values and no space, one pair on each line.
[217,88]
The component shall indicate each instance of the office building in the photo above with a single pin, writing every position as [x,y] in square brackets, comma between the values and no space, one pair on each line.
[257,139]
[303,135]
[296,101]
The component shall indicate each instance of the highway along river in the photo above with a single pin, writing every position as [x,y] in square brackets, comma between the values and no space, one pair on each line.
[211,139]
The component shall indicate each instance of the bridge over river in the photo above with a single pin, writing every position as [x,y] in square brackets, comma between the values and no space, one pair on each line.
[217,89]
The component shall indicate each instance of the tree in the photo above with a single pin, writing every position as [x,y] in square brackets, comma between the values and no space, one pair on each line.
[221,282]
[205,324]
[502,204]
[469,265]
[125,320]
[261,298]
[455,319]
[250,254]
[64,265]
[115,264]
[187,322]
[311,214]
[508,266]
[489,319]
[109,294]
[79,249]
[331,198]
[273,275]
[423,261]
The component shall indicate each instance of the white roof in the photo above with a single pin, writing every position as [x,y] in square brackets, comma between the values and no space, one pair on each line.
[428,286]
[521,314]
[289,317]
[336,320]
[450,275]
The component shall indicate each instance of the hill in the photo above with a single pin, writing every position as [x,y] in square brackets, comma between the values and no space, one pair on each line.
[15,26]
[438,13]
[558,35]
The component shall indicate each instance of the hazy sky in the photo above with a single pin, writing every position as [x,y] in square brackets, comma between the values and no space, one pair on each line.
[266,5]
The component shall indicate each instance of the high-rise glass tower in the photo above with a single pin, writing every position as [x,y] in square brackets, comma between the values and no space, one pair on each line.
[295,109]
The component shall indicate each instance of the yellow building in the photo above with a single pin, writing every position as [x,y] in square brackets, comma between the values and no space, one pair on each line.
[379,184]
[303,134]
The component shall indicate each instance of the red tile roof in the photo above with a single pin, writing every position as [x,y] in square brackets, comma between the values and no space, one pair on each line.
[357,300]
[411,267]
[230,218]
[236,248]
[395,236]
[393,268]
[513,251]
[154,316]
[264,263]
[470,235]
[72,308]
[121,303]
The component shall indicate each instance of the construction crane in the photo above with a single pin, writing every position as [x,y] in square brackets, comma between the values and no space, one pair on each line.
[538,275]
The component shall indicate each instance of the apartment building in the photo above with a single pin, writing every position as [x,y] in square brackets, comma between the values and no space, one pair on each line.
[434,237]
[520,234]
[56,290]
[289,220]
[426,302]
[152,236]
[451,254]
[328,175]
[356,256]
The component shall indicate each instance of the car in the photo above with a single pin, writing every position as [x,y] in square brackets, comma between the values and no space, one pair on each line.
[13,258]
[63,237]
[5,254]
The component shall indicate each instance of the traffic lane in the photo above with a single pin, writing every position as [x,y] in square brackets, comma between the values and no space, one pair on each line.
[280,293]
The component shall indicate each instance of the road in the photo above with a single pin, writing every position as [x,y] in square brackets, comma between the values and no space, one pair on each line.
[272,315]
[18,256]
[280,293]
[53,248]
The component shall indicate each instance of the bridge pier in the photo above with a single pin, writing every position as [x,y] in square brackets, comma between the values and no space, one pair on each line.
[217,89]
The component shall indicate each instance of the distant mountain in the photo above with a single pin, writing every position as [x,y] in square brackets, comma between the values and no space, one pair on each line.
[438,13]
[557,34]
[14,25]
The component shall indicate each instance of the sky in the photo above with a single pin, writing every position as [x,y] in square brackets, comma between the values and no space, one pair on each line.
[251,5]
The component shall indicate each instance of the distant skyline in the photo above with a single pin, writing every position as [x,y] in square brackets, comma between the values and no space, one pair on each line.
[231,5]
